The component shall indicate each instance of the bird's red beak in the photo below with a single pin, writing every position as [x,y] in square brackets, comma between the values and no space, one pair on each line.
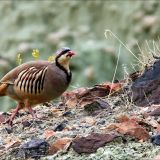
[71,53]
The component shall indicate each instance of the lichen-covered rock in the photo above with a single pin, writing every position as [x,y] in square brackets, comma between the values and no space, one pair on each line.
[35,148]
[146,88]
[42,25]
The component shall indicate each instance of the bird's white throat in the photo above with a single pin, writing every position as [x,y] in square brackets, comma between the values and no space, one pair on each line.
[64,63]
[66,66]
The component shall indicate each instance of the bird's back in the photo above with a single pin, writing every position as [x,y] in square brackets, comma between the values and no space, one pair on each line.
[13,74]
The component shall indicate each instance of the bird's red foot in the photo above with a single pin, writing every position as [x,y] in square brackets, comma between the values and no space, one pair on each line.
[9,121]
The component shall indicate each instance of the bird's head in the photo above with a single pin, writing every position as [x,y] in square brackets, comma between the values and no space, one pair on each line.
[63,57]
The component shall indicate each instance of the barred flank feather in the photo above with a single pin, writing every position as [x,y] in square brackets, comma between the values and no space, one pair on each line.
[31,80]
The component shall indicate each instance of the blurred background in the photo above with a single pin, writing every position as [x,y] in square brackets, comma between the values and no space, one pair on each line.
[47,25]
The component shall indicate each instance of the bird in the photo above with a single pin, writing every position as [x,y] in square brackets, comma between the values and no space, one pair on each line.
[37,82]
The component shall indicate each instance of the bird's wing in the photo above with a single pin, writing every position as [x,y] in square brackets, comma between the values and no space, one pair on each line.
[11,76]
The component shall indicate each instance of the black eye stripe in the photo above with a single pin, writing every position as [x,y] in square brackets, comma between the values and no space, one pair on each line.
[62,53]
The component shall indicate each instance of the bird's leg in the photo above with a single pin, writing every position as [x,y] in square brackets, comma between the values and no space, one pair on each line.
[31,111]
[10,119]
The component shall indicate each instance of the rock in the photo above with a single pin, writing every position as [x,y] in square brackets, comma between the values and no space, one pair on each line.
[35,148]
[101,122]
[91,143]
[146,88]
[129,126]
[155,112]
[89,120]
[96,105]
[11,142]
[67,114]
[26,123]
[48,133]
[8,130]
[60,144]
[156,139]
[60,126]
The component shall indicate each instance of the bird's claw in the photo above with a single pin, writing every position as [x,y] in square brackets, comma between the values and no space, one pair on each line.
[9,122]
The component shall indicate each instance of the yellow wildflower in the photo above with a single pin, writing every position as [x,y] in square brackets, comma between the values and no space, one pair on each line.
[36,54]
[51,58]
[19,59]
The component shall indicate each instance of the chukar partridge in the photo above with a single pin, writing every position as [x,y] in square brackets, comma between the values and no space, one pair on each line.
[37,82]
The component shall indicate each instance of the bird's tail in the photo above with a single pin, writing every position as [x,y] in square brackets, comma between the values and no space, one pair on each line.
[3,87]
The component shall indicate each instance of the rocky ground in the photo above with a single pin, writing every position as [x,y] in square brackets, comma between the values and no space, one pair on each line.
[109,127]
